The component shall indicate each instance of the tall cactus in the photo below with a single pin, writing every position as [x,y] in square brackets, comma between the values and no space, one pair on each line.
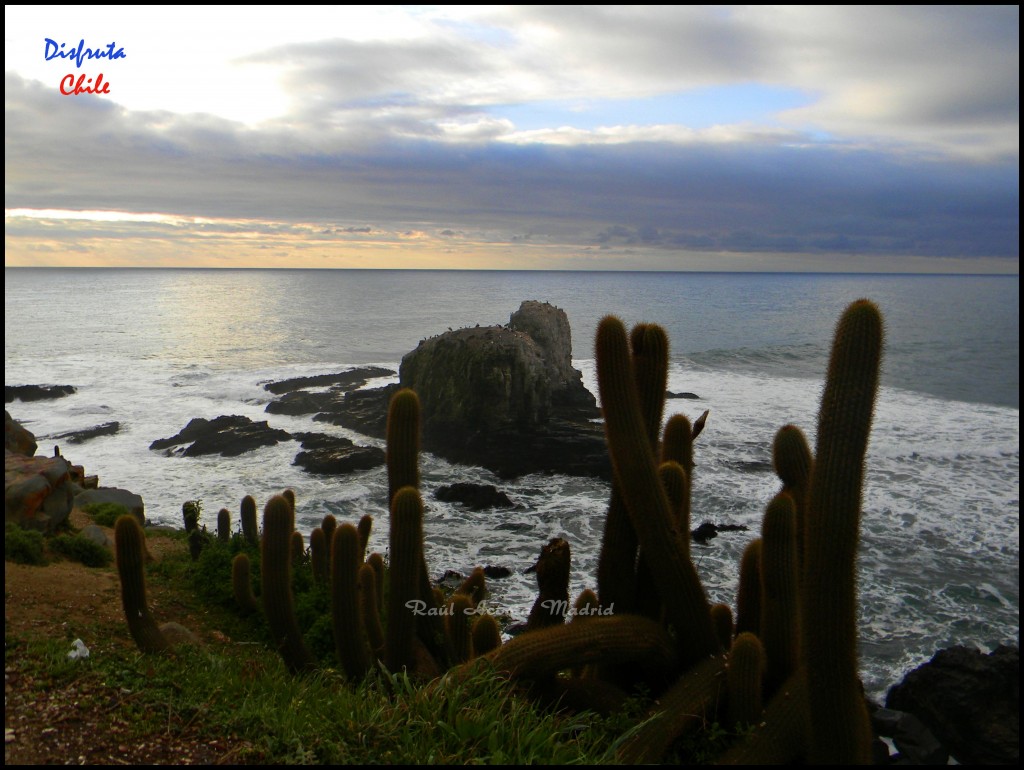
[241,584]
[403,441]
[248,515]
[278,527]
[839,729]
[129,541]
[780,611]
[650,512]
[346,614]
[404,584]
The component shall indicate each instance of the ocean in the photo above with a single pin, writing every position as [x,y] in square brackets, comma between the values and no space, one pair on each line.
[939,556]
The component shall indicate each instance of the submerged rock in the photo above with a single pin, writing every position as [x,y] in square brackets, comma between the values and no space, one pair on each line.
[78,436]
[295,400]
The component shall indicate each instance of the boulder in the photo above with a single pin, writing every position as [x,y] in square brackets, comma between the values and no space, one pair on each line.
[129,500]
[36,392]
[969,700]
[96,534]
[38,493]
[17,438]
[335,455]
[227,436]
[476,497]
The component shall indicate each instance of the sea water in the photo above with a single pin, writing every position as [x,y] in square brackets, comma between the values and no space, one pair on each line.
[939,554]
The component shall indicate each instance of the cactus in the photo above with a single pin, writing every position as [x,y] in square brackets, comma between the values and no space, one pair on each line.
[687,607]
[370,607]
[474,586]
[298,547]
[365,528]
[403,441]
[745,678]
[328,525]
[839,729]
[318,555]
[780,613]
[684,707]
[404,584]
[748,597]
[677,442]
[346,614]
[278,529]
[791,458]
[607,640]
[553,580]
[289,495]
[248,515]
[129,543]
[376,562]
[224,525]
[486,635]
[191,510]
[241,584]
[457,623]
[721,615]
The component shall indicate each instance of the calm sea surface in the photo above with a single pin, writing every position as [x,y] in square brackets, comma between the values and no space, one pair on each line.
[939,561]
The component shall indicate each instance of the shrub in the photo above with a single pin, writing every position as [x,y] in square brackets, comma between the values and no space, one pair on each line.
[105,514]
[23,546]
[81,549]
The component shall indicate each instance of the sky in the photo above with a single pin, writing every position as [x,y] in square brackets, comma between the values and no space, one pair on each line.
[835,139]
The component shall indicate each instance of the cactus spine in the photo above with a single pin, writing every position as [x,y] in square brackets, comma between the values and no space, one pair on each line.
[129,541]
[839,731]
[278,529]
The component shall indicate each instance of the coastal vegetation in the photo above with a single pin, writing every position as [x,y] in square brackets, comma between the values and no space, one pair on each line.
[646,670]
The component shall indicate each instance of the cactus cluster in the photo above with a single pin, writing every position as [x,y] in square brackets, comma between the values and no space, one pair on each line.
[788,662]
[785,661]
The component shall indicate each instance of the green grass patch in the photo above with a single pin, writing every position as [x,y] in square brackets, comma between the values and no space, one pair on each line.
[23,546]
[105,514]
[81,549]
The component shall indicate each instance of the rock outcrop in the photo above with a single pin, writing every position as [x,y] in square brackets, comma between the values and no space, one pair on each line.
[38,491]
[969,701]
[335,454]
[228,436]
[502,397]
[17,438]
[132,502]
[507,397]
[36,392]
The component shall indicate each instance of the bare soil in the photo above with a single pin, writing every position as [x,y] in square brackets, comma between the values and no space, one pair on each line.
[86,721]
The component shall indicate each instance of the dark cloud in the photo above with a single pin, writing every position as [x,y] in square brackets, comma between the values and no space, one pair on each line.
[88,154]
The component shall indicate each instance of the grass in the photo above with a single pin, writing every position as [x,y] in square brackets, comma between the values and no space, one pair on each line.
[239,693]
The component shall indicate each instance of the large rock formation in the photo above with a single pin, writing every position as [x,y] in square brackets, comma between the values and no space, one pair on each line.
[502,397]
[38,492]
[969,701]
[17,438]
[507,397]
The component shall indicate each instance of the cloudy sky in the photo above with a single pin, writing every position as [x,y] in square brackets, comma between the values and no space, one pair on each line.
[672,138]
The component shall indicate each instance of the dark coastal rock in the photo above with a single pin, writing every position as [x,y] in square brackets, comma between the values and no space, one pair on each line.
[494,572]
[132,502]
[227,436]
[349,380]
[297,401]
[36,392]
[476,497]
[670,394]
[915,744]
[969,700]
[507,397]
[38,492]
[78,436]
[364,411]
[17,438]
[707,530]
[335,455]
